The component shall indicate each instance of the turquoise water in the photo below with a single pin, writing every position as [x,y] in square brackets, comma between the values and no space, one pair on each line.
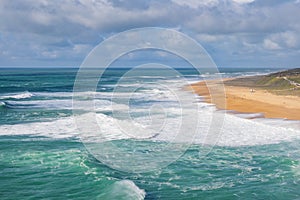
[34,168]
[42,157]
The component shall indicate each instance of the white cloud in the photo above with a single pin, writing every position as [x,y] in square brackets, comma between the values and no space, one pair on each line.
[49,54]
[282,40]
[288,38]
[196,3]
[243,1]
[208,37]
[271,45]
[81,48]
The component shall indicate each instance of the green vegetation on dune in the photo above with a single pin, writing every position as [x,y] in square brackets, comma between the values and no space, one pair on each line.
[282,83]
[296,79]
[271,82]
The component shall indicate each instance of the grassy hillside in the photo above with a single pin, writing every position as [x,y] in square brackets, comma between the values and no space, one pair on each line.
[282,83]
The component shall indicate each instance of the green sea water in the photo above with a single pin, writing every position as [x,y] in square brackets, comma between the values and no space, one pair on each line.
[40,168]
[41,161]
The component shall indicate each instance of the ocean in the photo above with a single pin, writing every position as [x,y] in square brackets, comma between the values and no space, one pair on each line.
[146,149]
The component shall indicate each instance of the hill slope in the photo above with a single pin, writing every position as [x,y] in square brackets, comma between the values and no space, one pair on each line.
[282,83]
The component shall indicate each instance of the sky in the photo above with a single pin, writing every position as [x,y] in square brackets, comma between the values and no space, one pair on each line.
[235,33]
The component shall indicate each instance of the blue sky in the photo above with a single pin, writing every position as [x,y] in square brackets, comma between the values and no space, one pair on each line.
[236,33]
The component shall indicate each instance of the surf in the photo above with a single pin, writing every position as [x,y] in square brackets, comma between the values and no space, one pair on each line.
[21,95]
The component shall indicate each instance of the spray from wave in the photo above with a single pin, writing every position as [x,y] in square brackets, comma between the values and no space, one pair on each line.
[122,190]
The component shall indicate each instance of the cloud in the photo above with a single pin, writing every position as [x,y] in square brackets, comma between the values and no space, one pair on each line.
[282,40]
[196,4]
[287,39]
[235,32]
[243,1]
[271,45]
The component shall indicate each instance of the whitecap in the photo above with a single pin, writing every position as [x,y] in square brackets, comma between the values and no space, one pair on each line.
[2,104]
[235,131]
[65,104]
[124,189]
[22,95]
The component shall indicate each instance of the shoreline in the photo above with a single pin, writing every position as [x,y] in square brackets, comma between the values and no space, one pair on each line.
[248,100]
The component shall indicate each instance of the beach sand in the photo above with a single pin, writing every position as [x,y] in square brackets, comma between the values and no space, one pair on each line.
[248,100]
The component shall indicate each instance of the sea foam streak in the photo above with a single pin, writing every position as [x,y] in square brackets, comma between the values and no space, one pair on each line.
[63,104]
[235,132]
[22,95]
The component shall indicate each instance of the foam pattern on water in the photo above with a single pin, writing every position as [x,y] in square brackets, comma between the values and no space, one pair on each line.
[235,132]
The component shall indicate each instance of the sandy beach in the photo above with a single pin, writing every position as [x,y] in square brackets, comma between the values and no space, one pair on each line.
[249,100]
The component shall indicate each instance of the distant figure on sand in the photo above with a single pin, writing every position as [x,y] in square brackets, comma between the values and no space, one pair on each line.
[252,90]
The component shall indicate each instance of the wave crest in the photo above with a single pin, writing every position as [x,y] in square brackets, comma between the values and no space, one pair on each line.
[22,95]
[124,189]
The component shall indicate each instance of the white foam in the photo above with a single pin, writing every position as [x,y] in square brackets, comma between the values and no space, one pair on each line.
[92,94]
[249,115]
[124,189]
[65,104]
[22,95]
[62,128]
[243,132]
[235,132]
[53,94]
[289,124]
[50,104]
